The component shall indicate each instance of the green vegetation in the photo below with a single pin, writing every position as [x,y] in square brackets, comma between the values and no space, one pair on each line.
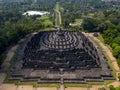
[78,20]
[111,37]
[119,76]
[89,84]
[106,23]
[101,83]
[101,38]
[77,85]
[102,88]
[47,85]
[91,14]
[43,18]
[111,87]
[14,26]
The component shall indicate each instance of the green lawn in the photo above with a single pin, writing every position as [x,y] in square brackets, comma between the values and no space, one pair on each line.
[101,38]
[46,21]
[91,14]
[77,85]
[47,85]
[43,18]
[77,22]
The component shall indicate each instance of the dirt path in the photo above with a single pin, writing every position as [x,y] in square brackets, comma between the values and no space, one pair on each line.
[6,63]
[58,20]
[107,51]
[112,58]
[9,56]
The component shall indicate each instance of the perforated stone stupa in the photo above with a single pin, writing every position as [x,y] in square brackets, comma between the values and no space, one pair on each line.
[51,54]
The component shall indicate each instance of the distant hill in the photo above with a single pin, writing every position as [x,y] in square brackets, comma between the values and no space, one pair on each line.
[5,1]
[111,0]
[33,1]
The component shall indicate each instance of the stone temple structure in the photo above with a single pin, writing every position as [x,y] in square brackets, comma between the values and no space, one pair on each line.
[51,55]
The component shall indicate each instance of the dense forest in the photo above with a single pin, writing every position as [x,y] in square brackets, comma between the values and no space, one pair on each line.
[75,9]
[14,26]
[95,16]
[90,16]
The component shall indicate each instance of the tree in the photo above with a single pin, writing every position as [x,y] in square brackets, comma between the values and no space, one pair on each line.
[109,35]
[117,39]
[111,87]
[116,51]
[90,24]
[114,45]
[119,76]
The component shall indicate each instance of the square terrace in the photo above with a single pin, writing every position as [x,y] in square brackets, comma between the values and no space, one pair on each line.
[50,55]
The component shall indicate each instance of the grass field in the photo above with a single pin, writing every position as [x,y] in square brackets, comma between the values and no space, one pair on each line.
[101,38]
[77,85]
[43,18]
[77,22]
[91,14]
[46,22]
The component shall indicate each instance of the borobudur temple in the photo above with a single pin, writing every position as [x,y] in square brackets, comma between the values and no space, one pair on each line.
[49,56]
